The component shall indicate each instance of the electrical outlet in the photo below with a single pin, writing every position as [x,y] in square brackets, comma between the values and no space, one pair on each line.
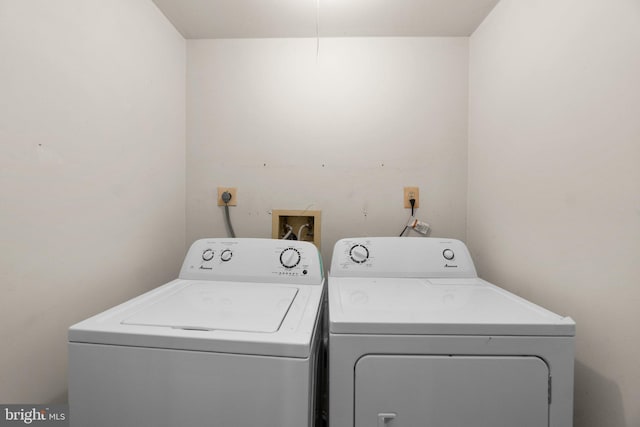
[232,191]
[411,193]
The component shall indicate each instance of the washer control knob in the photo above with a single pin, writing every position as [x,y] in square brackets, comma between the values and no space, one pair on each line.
[207,255]
[290,257]
[359,254]
[226,255]
[448,254]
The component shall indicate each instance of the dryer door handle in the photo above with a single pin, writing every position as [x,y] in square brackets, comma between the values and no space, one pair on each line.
[383,417]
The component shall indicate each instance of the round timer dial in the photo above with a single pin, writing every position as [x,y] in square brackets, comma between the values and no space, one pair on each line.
[226,255]
[207,255]
[359,254]
[290,257]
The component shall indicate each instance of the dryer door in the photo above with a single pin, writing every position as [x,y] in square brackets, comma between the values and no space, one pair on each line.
[451,391]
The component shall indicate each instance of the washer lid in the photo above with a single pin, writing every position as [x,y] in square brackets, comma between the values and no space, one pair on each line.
[241,307]
[436,307]
[265,319]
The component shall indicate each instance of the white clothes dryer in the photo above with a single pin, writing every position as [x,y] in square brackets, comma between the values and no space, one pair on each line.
[234,341]
[417,339]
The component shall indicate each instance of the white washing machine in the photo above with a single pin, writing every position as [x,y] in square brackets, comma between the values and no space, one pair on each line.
[417,339]
[233,342]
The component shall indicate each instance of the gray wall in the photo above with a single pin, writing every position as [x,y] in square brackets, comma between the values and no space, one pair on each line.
[554,180]
[342,132]
[92,173]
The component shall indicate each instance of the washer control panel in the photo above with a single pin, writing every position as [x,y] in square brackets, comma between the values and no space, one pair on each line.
[401,257]
[254,260]
[209,255]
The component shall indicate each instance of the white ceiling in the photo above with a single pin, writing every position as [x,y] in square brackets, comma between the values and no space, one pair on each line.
[207,19]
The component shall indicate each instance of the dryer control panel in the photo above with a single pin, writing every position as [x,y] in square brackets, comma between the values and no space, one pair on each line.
[401,257]
[253,260]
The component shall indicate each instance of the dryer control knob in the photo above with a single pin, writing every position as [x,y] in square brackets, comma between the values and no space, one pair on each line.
[290,257]
[448,254]
[359,253]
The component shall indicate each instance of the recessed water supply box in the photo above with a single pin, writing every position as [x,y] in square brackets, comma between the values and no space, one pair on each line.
[301,225]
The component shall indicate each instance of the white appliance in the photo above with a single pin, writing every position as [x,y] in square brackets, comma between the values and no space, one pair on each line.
[417,339]
[233,342]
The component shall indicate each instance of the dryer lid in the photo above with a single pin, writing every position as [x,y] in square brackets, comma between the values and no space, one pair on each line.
[243,307]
